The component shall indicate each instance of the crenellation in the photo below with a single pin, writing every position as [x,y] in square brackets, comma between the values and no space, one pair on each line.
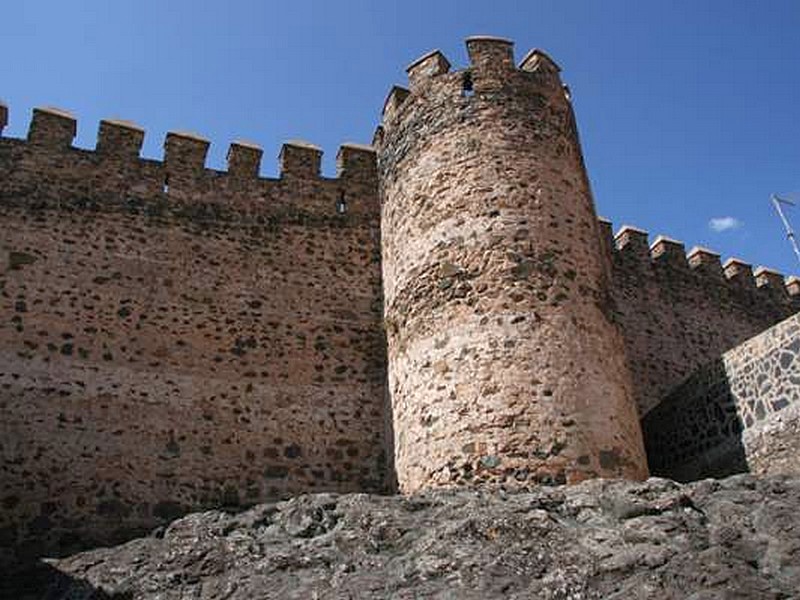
[675,319]
[356,162]
[53,128]
[184,163]
[739,273]
[244,160]
[489,55]
[666,250]
[793,291]
[182,337]
[394,100]
[771,280]
[546,71]
[235,332]
[3,116]
[705,261]
[425,67]
[115,168]
[300,160]
[793,287]
[538,60]
[632,241]
[121,139]
[606,230]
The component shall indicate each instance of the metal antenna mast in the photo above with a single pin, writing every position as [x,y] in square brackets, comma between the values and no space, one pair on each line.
[777,201]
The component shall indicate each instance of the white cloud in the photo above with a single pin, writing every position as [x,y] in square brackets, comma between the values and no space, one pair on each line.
[720,224]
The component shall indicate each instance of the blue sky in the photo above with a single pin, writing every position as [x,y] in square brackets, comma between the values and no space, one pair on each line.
[688,110]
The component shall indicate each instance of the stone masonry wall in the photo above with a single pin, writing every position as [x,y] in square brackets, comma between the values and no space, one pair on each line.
[679,311]
[739,413]
[504,366]
[174,338]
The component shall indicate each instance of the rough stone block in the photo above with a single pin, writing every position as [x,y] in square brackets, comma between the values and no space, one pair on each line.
[356,161]
[119,138]
[705,260]
[52,127]
[666,249]
[3,116]
[429,65]
[300,159]
[490,54]
[632,240]
[244,160]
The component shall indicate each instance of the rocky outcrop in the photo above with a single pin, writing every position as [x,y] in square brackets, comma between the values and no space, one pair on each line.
[732,538]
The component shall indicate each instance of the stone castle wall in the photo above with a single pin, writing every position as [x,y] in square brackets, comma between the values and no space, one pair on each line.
[680,311]
[504,365]
[174,338]
[738,413]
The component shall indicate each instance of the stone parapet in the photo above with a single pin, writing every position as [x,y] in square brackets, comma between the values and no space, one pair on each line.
[48,167]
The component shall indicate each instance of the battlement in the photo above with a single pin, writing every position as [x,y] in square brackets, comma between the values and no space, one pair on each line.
[244,160]
[229,339]
[122,139]
[490,61]
[771,279]
[666,249]
[47,162]
[426,66]
[189,337]
[490,54]
[703,259]
[681,309]
[52,127]
[3,116]
[538,60]
[486,54]
[793,286]
[632,240]
[632,244]
[356,162]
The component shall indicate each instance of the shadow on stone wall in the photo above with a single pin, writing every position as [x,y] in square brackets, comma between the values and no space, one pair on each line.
[40,581]
[740,413]
[21,556]
[696,432]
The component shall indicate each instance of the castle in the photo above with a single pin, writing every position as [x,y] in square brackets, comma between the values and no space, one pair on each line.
[448,310]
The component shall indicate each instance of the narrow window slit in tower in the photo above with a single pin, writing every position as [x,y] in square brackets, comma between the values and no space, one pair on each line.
[341,205]
[165,188]
[466,86]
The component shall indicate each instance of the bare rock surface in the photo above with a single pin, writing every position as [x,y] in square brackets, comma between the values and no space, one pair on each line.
[732,538]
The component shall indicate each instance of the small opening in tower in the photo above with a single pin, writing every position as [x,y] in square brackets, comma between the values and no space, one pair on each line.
[165,187]
[341,205]
[466,85]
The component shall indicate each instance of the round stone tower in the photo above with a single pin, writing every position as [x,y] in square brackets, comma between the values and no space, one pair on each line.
[504,364]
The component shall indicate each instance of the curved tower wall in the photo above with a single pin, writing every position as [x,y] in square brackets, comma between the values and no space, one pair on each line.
[504,366]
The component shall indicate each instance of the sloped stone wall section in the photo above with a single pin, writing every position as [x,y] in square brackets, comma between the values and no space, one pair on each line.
[740,413]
